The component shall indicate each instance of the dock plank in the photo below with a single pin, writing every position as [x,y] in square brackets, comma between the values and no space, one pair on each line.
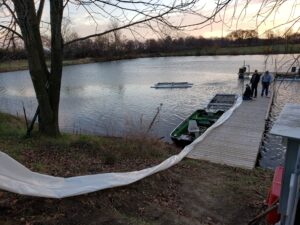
[236,142]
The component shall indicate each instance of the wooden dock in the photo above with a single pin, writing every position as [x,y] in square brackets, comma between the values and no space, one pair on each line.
[236,142]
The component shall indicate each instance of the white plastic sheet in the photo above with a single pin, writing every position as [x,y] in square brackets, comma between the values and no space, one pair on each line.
[16,178]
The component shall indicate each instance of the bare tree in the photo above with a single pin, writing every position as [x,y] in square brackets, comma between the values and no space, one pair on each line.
[116,36]
[23,20]
[242,35]
[67,32]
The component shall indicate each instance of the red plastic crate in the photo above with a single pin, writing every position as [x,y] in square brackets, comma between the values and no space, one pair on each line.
[273,195]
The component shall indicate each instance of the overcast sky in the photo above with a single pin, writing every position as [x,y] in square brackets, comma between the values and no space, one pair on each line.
[236,16]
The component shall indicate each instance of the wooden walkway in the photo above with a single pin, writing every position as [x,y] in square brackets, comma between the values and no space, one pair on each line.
[236,142]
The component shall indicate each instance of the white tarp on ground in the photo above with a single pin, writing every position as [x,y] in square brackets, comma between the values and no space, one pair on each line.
[16,178]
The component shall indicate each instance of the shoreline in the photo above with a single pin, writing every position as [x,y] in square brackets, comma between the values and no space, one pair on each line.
[17,65]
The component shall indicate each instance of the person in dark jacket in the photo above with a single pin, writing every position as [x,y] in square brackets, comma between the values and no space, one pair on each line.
[248,93]
[254,82]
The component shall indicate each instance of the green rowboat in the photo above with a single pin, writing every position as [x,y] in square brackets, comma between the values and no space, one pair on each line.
[198,122]
[195,125]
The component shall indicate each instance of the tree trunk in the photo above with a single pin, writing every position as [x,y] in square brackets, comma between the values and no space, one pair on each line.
[46,85]
[56,14]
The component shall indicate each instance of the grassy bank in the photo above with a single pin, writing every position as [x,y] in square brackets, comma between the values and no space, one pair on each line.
[15,65]
[192,192]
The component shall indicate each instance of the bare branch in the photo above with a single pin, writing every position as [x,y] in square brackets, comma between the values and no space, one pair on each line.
[12,31]
[40,10]
[119,28]
[12,12]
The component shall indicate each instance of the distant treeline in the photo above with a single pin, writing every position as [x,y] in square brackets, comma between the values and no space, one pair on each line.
[111,46]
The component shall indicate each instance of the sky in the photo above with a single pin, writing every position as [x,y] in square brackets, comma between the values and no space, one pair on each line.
[236,16]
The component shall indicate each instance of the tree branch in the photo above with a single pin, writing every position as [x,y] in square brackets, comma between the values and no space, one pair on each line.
[10,10]
[12,31]
[119,28]
[40,10]
[218,9]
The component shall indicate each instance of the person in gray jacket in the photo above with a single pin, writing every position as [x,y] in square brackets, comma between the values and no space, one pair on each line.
[265,81]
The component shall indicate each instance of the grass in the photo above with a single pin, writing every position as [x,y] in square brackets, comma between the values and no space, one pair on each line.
[7,66]
[103,153]
[10,126]
[14,65]
[192,192]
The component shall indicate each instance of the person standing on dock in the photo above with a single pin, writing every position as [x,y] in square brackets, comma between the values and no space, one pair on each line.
[254,82]
[265,81]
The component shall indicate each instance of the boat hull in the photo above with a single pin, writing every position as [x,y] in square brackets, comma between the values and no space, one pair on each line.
[200,120]
[221,102]
[180,143]
[181,135]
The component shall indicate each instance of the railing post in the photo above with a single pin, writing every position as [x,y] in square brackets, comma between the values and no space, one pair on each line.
[290,187]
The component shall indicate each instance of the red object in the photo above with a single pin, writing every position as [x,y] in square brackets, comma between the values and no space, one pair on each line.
[273,195]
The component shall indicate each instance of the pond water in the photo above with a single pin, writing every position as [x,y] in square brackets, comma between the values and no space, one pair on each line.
[115,98]
[273,149]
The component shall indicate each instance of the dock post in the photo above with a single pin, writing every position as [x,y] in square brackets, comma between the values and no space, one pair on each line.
[288,126]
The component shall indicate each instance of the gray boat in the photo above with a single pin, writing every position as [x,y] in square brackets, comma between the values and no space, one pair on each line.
[172,85]
[221,102]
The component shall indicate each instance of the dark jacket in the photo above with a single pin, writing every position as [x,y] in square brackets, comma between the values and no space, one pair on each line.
[255,79]
[248,93]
